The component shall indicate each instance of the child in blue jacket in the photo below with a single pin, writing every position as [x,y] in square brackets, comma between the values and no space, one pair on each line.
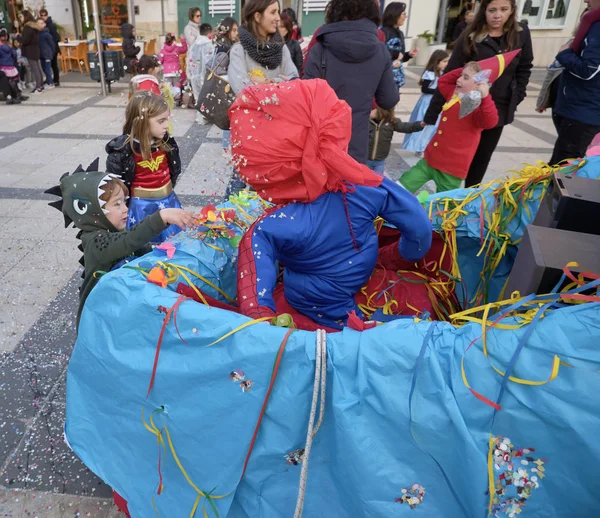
[47,51]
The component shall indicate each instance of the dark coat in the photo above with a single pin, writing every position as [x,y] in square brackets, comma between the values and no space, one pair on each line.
[358,67]
[579,90]
[47,45]
[8,56]
[130,50]
[381,134]
[120,160]
[31,47]
[296,54]
[53,30]
[509,89]
[394,41]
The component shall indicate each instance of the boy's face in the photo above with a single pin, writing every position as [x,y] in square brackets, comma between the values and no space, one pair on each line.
[41,24]
[117,210]
[466,82]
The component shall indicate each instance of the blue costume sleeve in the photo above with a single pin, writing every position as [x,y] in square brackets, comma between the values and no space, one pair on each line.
[257,271]
[404,211]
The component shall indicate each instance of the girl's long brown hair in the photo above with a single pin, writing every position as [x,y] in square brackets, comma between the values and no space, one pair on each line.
[434,60]
[251,7]
[142,107]
[478,27]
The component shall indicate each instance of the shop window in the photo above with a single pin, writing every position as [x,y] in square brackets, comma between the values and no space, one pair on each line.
[216,7]
[545,14]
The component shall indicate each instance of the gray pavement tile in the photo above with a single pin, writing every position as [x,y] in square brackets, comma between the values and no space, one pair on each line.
[30,504]
[44,462]
[62,96]
[18,117]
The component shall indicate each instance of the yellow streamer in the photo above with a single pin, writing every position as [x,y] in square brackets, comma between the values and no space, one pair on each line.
[239,328]
[490,464]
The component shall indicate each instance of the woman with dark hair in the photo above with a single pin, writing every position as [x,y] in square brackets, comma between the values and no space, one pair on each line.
[394,17]
[286,28]
[494,30]
[31,49]
[350,57]
[192,30]
[261,56]
[297,30]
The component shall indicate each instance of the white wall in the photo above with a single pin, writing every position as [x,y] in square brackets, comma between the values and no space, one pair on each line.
[423,16]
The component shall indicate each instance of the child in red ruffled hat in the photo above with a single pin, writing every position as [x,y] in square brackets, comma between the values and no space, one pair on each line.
[290,142]
[469,110]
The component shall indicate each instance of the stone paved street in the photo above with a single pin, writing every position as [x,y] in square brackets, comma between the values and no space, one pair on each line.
[40,140]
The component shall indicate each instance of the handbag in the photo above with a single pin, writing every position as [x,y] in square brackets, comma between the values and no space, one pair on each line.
[216,97]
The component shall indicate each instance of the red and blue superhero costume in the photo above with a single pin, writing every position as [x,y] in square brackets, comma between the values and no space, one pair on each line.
[289,142]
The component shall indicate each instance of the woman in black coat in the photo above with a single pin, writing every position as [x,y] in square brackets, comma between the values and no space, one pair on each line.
[350,57]
[286,29]
[31,49]
[495,30]
[394,17]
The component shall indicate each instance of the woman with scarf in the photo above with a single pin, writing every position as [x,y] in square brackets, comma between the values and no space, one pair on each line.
[261,56]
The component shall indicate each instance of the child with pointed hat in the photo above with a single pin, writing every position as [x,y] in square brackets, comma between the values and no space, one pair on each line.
[290,143]
[94,202]
[469,110]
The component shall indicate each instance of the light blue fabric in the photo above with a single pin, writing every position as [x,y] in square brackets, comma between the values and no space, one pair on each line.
[417,142]
[377,165]
[397,411]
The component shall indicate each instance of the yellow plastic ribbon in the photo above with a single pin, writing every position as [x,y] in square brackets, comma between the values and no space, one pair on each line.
[239,328]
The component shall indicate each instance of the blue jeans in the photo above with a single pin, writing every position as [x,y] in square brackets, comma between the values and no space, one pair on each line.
[47,67]
[225,137]
[376,165]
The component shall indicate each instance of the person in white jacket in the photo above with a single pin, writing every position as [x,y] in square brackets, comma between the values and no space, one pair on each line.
[192,30]
[261,56]
[199,55]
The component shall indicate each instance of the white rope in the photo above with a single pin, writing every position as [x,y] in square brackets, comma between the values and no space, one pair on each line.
[319,390]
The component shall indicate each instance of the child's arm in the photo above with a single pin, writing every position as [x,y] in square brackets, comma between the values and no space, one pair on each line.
[404,211]
[114,165]
[426,81]
[407,127]
[486,116]
[110,247]
[447,83]
[257,269]
[183,48]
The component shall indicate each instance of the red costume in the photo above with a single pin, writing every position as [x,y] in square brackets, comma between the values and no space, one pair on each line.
[146,82]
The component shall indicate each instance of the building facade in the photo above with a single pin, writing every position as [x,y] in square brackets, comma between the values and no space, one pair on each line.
[552,22]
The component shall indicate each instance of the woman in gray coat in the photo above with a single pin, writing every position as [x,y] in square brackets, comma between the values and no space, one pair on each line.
[261,56]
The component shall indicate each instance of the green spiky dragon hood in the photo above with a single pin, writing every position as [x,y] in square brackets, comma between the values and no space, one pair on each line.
[81,203]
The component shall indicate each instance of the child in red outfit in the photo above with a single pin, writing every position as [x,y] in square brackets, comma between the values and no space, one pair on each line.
[469,110]
[146,78]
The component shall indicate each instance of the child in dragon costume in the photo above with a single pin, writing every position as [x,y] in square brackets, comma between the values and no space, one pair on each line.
[95,203]
[290,144]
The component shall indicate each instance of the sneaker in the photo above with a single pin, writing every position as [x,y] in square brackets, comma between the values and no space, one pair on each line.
[37,91]
[49,86]
[23,97]
[12,100]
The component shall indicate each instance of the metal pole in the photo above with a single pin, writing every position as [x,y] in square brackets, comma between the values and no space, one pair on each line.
[131,13]
[442,20]
[162,16]
[99,44]
[408,18]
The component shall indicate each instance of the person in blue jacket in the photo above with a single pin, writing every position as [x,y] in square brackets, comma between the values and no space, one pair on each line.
[47,51]
[576,114]
[289,143]
[350,57]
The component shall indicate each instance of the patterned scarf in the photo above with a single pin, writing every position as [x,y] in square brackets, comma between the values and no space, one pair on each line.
[267,54]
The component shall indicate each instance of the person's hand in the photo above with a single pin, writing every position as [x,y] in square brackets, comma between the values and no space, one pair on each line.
[484,88]
[178,217]
[259,80]
[540,110]
[422,123]
[564,47]
[398,62]
[182,36]
[412,53]
[284,78]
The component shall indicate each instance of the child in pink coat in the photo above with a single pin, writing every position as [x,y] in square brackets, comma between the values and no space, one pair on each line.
[169,56]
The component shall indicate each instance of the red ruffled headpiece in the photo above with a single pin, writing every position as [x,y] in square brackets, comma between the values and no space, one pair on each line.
[290,141]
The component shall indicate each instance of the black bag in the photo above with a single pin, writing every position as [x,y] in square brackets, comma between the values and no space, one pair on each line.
[215,99]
